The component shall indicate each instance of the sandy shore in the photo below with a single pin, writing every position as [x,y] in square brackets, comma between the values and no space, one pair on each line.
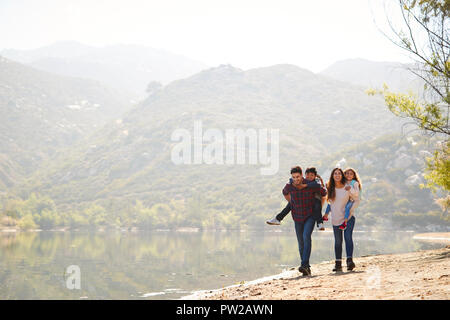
[417,275]
[439,237]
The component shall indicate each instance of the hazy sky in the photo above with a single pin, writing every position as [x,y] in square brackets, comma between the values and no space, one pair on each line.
[244,33]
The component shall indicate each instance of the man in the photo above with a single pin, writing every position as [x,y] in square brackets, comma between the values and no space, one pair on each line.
[310,181]
[301,200]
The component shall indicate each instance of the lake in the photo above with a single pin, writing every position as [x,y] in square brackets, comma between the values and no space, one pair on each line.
[162,264]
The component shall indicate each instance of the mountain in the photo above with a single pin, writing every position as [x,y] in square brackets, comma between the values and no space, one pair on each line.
[130,160]
[125,67]
[42,112]
[371,74]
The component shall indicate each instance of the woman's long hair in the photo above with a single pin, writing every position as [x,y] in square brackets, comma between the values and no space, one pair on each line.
[331,185]
[356,177]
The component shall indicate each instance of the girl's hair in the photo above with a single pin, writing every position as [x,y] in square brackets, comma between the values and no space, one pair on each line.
[331,185]
[296,169]
[356,176]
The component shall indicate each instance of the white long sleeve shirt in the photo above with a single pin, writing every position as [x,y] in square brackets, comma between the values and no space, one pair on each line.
[338,206]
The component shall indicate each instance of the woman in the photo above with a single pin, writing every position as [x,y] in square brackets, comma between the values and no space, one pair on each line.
[338,197]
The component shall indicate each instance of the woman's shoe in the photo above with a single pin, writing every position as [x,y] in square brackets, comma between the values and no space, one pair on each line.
[338,266]
[350,264]
[306,271]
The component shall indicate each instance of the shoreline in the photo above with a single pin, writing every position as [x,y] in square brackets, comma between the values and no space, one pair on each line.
[198,230]
[423,274]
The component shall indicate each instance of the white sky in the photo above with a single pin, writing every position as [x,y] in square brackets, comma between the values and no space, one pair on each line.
[312,34]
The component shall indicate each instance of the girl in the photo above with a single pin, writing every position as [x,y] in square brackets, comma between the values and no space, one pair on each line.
[338,197]
[353,186]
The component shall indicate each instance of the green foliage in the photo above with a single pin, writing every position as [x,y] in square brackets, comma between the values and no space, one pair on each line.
[27,223]
[425,36]
[427,116]
[438,169]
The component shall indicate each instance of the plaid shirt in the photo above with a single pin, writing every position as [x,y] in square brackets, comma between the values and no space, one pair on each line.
[302,201]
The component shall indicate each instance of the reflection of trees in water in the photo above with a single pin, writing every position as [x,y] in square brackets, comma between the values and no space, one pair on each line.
[116,265]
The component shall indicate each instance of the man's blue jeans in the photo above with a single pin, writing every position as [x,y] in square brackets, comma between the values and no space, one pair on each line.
[348,235]
[304,231]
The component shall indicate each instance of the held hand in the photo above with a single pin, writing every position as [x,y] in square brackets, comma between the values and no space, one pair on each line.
[347,188]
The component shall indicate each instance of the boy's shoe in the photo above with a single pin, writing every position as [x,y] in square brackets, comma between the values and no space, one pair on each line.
[273,221]
[306,271]
[320,226]
[338,266]
[343,226]
[350,264]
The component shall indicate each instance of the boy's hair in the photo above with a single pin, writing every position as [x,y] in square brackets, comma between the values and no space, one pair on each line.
[312,170]
[296,169]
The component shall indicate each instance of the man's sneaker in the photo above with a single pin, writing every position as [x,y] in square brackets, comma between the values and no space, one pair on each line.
[306,271]
[343,226]
[320,227]
[273,221]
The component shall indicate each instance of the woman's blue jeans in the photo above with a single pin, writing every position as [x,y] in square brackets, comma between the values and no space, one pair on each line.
[348,236]
[303,231]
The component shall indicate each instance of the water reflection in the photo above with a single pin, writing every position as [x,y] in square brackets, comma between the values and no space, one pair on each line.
[162,265]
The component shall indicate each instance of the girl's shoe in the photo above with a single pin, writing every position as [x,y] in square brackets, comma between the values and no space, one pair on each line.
[343,226]
[325,218]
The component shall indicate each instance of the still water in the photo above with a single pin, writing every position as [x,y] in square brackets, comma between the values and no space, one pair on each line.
[162,265]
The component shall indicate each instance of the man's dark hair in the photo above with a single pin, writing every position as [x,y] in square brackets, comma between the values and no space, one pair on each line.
[296,169]
[312,170]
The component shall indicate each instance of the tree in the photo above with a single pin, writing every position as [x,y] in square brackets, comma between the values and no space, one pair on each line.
[423,33]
